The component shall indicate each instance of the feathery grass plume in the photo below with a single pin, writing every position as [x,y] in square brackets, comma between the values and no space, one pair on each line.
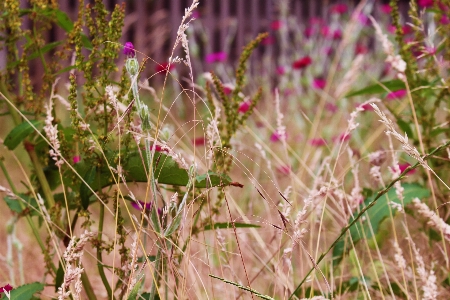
[399,259]
[429,287]
[433,219]
[52,132]
[393,59]
[410,150]
[72,258]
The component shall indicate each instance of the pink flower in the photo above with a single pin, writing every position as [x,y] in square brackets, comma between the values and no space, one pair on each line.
[285,170]
[308,32]
[140,205]
[216,57]
[200,141]
[325,31]
[406,29]
[342,138]
[277,137]
[270,40]
[6,288]
[280,70]
[228,88]
[425,3]
[244,106]
[366,107]
[276,25]
[317,142]
[196,14]
[386,8]
[128,49]
[396,95]
[403,168]
[444,20]
[328,51]
[339,9]
[162,68]
[331,107]
[337,34]
[363,19]
[319,83]
[76,159]
[302,63]
[361,49]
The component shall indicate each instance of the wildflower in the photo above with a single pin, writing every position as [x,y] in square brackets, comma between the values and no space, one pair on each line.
[386,8]
[140,205]
[276,25]
[162,67]
[377,158]
[244,106]
[317,142]
[325,31]
[425,3]
[76,159]
[444,20]
[128,49]
[337,34]
[216,57]
[433,219]
[200,141]
[302,63]
[285,169]
[308,32]
[343,137]
[403,167]
[339,9]
[6,288]
[361,49]
[228,88]
[396,95]
[319,83]
[277,137]
[363,19]
[280,70]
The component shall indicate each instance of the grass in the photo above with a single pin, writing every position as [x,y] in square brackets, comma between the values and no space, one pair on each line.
[277,184]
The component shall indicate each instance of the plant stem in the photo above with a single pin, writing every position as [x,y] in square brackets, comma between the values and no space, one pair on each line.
[101,271]
[87,286]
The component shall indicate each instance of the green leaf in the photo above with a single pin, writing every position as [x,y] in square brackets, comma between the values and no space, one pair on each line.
[229,225]
[375,215]
[15,204]
[405,127]
[212,179]
[392,85]
[59,280]
[134,292]
[19,133]
[25,292]
[85,192]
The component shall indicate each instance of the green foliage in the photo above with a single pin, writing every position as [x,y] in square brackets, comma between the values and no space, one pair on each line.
[375,215]
[20,133]
[26,292]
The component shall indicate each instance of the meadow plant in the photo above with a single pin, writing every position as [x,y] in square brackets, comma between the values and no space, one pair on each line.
[269,179]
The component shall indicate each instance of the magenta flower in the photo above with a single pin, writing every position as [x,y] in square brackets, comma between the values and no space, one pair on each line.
[228,88]
[396,95]
[339,9]
[162,68]
[403,167]
[280,70]
[6,288]
[76,159]
[276,25]
[317,142]
[302,63]
[342,138]
[285,170]
[244,106]
[200,141]
[319,83]
[325,31]
[425,3]
[386,8]
[128,49]
[331,107]
[140,205]
[337,34]
[366,107]
[363,19]
[444,20]
[361,49]
[270,40]
[308,32]
[277,137]
[216,57]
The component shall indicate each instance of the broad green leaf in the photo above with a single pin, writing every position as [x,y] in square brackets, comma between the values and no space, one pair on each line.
[229,225]
[25,292]
[166,171]
[375,215]
[19,133]
[15,204]
[134,292]
[59,280]
[85,192]
[392,85]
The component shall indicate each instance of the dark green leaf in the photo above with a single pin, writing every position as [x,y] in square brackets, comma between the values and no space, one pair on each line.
[59,277]
[375,215]
[212,179]
[229,225]
[85,192]
[19,133]
[16,204]
[25,292]
[151,258]
[392,85]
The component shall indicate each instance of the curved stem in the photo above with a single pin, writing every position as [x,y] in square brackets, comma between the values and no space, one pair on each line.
[101,271]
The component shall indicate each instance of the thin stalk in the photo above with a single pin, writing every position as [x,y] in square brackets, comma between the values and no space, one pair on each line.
[40,174]
[101,270]
[87,287]
[361,213]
